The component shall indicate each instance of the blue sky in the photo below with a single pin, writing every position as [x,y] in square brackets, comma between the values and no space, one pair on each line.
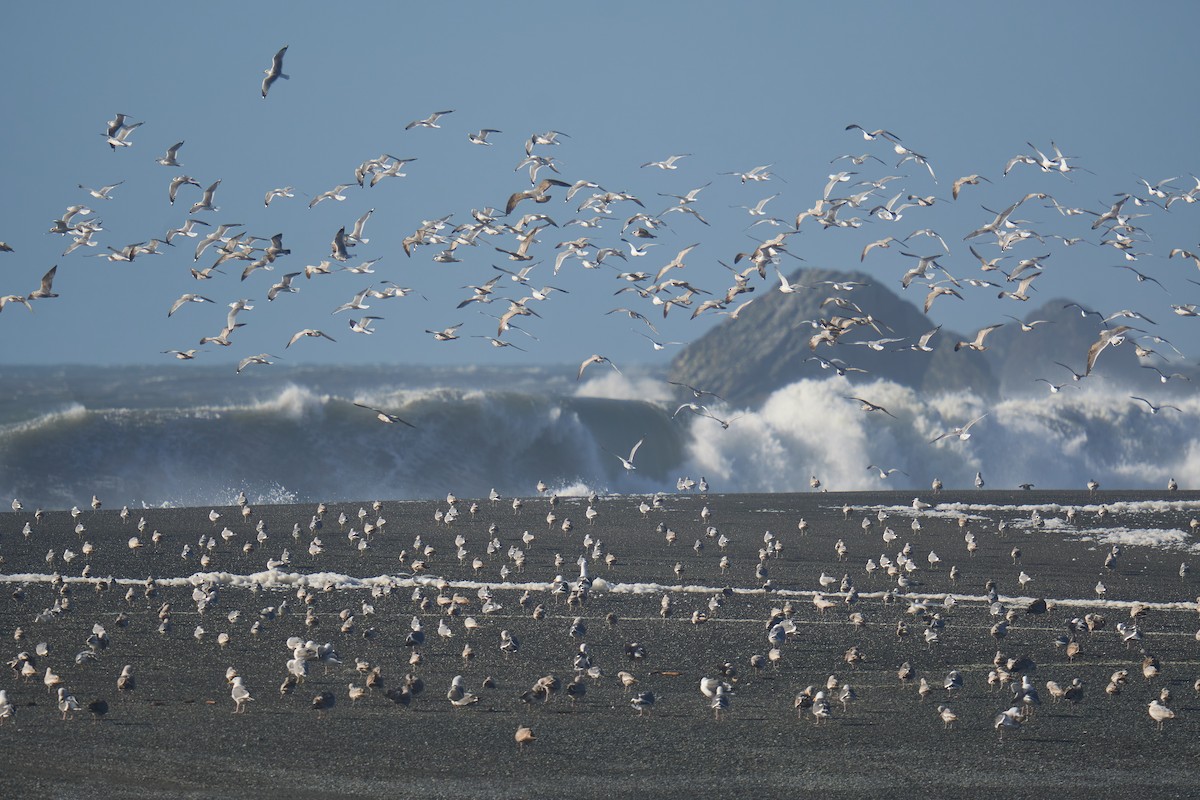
[967,85]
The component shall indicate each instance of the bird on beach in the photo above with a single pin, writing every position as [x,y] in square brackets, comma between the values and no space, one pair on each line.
[642,702]
[240,695]
[67,703]
[1160,713]
[524,736]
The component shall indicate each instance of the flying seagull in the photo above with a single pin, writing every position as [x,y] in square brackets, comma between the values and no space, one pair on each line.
[597,359]
[962,433]
[867,405]
[627,463]
[430,121]
[275,72]
[169,159]
[1113,336]
[384,416]
[1153,408]
[698,393]
[307,332]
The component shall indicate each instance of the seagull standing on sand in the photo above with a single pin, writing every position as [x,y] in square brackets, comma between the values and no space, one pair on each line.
[1158,712]
[69,704]
[523,736]
[240,695]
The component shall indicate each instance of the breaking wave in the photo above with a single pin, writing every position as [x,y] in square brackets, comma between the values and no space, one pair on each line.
[307,441]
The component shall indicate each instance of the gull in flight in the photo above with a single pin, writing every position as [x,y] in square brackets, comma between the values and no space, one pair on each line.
[333,194]
[667,163]
[871,136]
[170,159]
[537,194]
[430,121]
[103,193]
[1163,377]
[363,325]
[977,344]
[1153,408]
[307,332]
[884,473]
[598,359]
[446,334]
[45,291]
[962,433]
[384,416]
[697,393]
[627,463]
[759,173]
[187,298]
[788,288]
[481,137]
[283,191]
[275,71]
[867,405]
[261,358]
[968,180]
[118,136]
[1111,336]
[176,182]
[205,203]
[1055,388]
[757,209]
[284,285]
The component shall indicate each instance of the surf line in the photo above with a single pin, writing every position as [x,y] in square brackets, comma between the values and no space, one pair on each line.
[279,580]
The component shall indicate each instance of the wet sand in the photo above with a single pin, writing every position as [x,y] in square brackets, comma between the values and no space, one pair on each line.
[176,735]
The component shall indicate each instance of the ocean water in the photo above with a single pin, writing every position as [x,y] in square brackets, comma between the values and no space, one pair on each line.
[186,435]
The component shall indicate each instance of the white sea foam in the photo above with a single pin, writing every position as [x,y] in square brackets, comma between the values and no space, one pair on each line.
[283,580]
[810,428]
[612,385]
[297,436]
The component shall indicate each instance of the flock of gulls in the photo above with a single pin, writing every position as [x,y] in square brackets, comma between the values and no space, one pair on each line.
[515,604]
[623,237]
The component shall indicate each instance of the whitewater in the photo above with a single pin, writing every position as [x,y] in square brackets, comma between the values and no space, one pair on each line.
[199,436]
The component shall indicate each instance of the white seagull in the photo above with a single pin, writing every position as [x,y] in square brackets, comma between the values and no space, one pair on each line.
[275,71]
[627,463]
[962,433]
[428,122]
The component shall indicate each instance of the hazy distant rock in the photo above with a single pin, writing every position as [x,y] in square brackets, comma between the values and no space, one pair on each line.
[767,347]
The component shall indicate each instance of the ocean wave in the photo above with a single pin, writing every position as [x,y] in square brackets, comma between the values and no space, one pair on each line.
[810,429]
[296,442]
[300,445]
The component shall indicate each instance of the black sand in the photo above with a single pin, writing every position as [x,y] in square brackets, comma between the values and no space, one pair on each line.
[175,734]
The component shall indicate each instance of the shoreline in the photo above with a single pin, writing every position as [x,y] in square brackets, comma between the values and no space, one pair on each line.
[175,734]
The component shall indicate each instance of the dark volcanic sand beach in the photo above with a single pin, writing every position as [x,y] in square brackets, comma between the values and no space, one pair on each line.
[175,734]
